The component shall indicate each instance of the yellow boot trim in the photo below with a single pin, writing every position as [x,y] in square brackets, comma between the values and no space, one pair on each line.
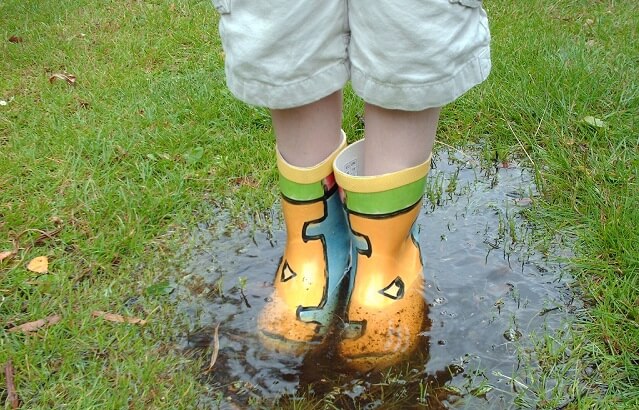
[380,194]
[348,172]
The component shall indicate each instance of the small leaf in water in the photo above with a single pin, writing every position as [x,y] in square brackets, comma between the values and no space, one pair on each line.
[523,201]
[159,289]
[512,334]
[594,122]
[453,390]
[194,155]
[482,390]
[215,344]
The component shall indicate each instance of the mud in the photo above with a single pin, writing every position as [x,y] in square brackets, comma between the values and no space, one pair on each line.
[489,291]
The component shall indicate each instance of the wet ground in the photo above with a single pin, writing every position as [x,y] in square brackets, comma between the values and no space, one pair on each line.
[491,296]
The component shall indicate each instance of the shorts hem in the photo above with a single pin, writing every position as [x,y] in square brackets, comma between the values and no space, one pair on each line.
[417,97]
[292,94]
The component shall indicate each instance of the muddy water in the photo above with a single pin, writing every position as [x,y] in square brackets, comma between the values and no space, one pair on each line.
[489,294]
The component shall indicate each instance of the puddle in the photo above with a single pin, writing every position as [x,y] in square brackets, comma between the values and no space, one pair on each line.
[488,294]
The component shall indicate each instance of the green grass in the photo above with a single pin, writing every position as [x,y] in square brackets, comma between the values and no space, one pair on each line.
[148,142]
[564,62]
[145,144]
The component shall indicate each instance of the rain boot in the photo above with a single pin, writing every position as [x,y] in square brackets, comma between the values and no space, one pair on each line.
[313,272]
[386,310]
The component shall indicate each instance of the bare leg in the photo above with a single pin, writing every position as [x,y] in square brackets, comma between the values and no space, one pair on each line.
[396,139]
[308,134]
[312,271]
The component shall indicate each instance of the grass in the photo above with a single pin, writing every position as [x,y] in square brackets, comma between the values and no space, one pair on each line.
[582,65]
[148,142]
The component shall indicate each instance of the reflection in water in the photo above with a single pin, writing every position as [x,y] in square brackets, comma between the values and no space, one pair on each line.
[487,293]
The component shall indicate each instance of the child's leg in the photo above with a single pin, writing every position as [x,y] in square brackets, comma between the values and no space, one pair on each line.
[308,134]
[313,271]
[395,139]
[292,57]
[406,56]
[383,178]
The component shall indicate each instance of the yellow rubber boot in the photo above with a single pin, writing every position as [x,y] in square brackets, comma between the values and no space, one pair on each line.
[314,268]
[386,310]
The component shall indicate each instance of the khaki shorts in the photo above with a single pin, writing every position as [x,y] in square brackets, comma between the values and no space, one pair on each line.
[402,54]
